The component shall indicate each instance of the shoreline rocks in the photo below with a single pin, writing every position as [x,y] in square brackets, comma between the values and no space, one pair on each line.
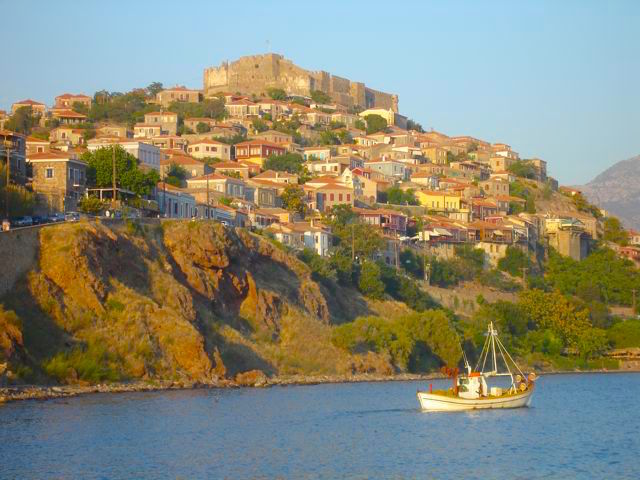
[251,379]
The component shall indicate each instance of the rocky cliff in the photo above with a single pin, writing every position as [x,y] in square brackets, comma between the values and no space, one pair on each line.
[173,301]
[617,190]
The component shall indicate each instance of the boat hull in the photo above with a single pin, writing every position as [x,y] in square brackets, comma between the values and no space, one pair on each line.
[440,403]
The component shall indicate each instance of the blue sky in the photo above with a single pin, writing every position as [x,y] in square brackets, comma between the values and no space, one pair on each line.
[555,79]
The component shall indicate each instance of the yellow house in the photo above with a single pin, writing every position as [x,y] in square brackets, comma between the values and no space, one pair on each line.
[437,155]
[437,200]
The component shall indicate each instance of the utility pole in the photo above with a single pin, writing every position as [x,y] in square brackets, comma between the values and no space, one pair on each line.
[633,292]
[524,277]
[7,148]
[207,175]
[396,251]
[113,175]
[353,243]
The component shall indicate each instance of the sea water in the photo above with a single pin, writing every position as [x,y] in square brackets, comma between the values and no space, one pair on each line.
[578,426]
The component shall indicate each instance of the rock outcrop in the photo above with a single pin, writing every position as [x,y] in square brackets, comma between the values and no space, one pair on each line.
[173,301]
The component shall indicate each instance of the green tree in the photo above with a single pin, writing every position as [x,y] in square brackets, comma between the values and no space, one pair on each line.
[259,125]
[375,123]
[602,276]
[350,235]
[412,125]
[397,196]
[614,231]
[202,127]
[80,107]
[176,175]
[293,199]
[522,168]
[360,125]
[91,205]
[554,311]
[514,261]
[328,138]
[277,93]
[370,282]
[319,96]
[128,174]
[625,334]
[22,121]
[154,88]
[288,162]
[209,108]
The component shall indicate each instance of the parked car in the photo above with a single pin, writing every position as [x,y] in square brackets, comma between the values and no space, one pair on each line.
[56,217]
[72,216]
[40,219]
[25,221]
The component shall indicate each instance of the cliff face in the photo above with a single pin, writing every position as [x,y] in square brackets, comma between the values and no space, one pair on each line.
[175,300]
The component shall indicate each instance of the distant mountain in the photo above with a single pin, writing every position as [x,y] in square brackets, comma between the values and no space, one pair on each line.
[617,190]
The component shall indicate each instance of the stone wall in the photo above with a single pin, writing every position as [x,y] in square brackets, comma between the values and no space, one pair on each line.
[19,250]
[255,74]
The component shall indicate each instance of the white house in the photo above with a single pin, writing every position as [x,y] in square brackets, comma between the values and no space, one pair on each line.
[175,202]
[147,154]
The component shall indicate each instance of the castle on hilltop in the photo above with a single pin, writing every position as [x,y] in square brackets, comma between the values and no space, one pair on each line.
[256,73]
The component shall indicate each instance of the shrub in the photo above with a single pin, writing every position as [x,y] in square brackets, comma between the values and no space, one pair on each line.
[625,334]
[369,281]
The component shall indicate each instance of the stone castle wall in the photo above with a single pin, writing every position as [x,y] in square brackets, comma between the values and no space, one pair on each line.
[255,74]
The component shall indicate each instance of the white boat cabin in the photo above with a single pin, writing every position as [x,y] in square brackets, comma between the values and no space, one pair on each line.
[472,386]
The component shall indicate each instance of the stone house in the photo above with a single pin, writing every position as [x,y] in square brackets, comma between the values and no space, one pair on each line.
[389,221]
[242,108]
[168,121]
[500,163]
[231,169]
[178,94]
[67,100]
[209,149]
[264,193]
[36,145]
[301,235]
[17,155]
[226,186]
[192,123]
[146,130]
[274,136]
[67,117]
[278,177]
[192,166]
[68,135]
[36,107]
[109,130]
[494,186]
[59,180]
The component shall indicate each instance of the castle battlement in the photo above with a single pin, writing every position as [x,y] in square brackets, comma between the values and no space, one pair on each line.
[255,74]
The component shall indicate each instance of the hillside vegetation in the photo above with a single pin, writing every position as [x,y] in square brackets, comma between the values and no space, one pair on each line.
[180,301]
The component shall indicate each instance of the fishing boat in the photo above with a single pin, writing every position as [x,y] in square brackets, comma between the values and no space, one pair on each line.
[470,390]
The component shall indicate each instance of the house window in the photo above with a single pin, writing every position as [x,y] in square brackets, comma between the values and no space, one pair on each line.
[348,197]
[340,197]
[331,197]
[49,173]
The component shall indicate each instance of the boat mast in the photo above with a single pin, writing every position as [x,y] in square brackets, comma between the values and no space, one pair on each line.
[492,332]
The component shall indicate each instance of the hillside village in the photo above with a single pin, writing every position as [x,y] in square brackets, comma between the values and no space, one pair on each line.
[279,162]
[333,171]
